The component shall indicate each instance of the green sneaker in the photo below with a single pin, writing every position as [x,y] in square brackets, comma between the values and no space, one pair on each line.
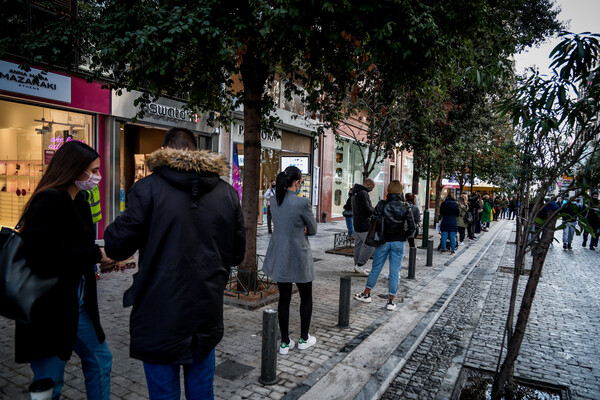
[284,348]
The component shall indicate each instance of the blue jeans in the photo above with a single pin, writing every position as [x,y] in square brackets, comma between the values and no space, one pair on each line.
[163,380]
[568,232]
[445,240]
[350,225]
[96,362]
[396,251]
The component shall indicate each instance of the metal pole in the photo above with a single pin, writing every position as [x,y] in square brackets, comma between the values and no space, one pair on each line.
[412,260]
[426,212]
[344,309]
[268,366]
[429,262]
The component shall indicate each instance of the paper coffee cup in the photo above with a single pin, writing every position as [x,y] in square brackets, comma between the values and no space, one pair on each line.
[41,389]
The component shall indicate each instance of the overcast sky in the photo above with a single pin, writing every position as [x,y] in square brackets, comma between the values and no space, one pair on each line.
[581,16]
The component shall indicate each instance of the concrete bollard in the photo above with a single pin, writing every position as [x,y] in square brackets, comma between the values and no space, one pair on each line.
[412,260]
[268,365]
[429,262]
[344,310]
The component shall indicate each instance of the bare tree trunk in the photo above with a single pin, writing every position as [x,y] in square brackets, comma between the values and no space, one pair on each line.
[503,381]
[438,191]
[254,76]
[416,177]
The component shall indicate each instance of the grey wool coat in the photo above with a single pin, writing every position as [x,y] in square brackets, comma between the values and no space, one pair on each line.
[289,257]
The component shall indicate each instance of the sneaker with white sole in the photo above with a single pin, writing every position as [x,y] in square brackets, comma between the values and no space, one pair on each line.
[361,270]
[365,298]
[305,344]
[284,348]
[390,305]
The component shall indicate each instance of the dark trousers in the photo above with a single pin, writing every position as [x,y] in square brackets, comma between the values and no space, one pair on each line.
[593,242]
[461,233]
[306,306]
[269,218]
[470,231]
[411,241]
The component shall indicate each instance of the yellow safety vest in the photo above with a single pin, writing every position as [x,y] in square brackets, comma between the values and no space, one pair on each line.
[93,197]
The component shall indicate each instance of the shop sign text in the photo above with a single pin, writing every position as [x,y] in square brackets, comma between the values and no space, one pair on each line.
[36,82]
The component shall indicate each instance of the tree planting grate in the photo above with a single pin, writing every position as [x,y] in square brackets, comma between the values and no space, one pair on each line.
[511,270]
[232,370]
[477,384]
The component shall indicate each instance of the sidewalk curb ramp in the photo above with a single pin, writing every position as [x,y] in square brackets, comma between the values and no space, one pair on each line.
[364,368]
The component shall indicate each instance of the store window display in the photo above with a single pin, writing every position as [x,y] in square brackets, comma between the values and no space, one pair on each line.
[29,137]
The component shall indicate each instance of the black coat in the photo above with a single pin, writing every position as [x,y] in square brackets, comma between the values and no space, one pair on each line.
[188,226]
[59,237]
[362,209]
[449,211]
[398,220]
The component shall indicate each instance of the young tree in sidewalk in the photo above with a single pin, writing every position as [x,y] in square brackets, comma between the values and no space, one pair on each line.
[555,119]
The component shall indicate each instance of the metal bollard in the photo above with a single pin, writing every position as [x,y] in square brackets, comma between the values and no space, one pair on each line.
[268,365]
[429,262]
[412,259]
[344,310]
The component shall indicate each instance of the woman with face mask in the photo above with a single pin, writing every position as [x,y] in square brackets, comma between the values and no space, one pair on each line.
[289,257]
[60,242]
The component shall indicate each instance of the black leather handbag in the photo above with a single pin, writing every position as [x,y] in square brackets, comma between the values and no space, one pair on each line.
[375,235]
[20,288]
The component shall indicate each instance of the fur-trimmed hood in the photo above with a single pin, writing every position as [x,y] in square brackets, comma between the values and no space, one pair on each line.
[199,161]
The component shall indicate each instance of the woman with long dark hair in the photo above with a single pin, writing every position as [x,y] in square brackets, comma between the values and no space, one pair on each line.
[449,212]
[59,241]
[289,257]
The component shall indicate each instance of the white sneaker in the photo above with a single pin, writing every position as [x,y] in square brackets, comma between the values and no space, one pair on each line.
[361,270]
[460,243]
[362,297]
[390,305]
[285,348]
[387,276]
[305,344]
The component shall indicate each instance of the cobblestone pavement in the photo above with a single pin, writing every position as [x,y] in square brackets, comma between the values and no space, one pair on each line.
[239,354]
[561,345]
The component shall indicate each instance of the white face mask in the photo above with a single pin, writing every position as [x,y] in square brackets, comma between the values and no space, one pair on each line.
[89,183]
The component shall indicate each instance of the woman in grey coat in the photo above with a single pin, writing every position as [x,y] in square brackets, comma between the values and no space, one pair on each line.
[289,257]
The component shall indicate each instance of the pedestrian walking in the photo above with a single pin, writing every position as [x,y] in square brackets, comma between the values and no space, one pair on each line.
[512,208]
[187,224]
[289,257]
[395,213]
[593,218]
[411,200]
[570,210]
[449,212]
[59,238]
[347,213]
[362,209]
[268,195]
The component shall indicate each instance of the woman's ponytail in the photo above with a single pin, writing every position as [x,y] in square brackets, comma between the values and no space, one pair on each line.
[284,180]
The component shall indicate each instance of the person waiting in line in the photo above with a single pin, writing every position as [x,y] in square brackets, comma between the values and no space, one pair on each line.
[593,217]
[347,213]
[570,212]
[395,213]
[59,238]
[449,212]
[362,209]
[411,200]
[188,226]
[289,257]
[268,194]
[462,217]
[486,214]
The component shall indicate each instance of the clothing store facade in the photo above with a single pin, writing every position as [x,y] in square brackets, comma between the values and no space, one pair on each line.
[292,144]
[40,111]
[129,140]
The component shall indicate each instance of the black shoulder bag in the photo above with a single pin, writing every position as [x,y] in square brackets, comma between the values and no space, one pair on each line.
[20,288]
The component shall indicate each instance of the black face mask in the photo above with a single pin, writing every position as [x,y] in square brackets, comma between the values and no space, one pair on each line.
[273,186]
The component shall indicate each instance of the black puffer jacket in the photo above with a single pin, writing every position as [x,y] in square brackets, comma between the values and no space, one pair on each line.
[187,224]
[362,209]
[398,223]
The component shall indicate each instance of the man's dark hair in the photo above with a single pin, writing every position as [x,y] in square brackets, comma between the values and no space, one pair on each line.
[181,139]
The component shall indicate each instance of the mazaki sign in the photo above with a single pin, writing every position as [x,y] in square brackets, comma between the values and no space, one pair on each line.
[34,82]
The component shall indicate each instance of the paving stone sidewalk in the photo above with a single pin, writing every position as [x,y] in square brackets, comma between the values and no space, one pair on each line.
[239,354]
[561,345]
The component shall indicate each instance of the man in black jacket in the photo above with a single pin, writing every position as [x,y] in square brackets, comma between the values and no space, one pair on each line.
[362,209]
[188,226]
